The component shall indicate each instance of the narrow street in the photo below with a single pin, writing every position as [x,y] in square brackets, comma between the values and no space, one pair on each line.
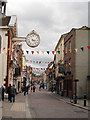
[43,105]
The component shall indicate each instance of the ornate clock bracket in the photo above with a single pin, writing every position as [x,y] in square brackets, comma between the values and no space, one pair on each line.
[17,40]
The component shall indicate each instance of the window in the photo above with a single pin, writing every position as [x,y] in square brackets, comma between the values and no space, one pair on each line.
[70,45]
[65,49]
[0,43]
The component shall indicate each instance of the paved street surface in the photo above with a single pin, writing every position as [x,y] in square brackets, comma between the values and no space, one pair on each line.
[14,110]
[41,104]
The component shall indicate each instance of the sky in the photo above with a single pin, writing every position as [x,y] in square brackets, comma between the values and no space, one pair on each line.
[50,19]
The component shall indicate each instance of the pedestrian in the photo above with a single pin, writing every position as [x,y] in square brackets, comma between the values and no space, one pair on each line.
[40,88]
[13,93]
[43,85]
[2,91]
[33,88]
[9,92]
[25,90]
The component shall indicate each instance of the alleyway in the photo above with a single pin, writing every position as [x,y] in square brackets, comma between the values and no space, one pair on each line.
[41,104]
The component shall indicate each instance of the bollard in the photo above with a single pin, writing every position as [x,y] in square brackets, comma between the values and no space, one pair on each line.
[85,98]
[75,99]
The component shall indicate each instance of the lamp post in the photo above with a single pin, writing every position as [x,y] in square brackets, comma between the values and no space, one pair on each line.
[75,96]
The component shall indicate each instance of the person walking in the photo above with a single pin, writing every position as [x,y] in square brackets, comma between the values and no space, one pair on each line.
[25,90]
[13,93]
[9,92]
[33,88]
[2,91]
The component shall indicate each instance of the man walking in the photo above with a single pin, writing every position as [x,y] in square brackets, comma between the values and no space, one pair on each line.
[2,90]
[13,93]
[9,92]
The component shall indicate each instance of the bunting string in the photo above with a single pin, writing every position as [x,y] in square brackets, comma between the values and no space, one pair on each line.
[48,52]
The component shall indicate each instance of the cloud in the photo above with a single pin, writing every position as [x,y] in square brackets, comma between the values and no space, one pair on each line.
[50,19]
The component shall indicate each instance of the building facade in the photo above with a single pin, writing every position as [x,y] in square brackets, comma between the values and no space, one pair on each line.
[76,62]
[59,64]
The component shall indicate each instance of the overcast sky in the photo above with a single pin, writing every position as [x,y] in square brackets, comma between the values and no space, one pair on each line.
[50,19]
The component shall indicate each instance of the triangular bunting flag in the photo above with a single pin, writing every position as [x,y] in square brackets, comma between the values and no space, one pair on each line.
[36,61]
[37,52]
[39,62]
[32,52]
[22,51]
[48,52]
[53,52]
[70,50]
[31,61]
[88,47]
[58,52]
[3,48]
[27,52]
[64,51]
[43,52]
[82,48]
[76,49]
[8,49]
[17,50]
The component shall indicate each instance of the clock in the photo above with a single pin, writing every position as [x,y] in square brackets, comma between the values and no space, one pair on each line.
[33,39]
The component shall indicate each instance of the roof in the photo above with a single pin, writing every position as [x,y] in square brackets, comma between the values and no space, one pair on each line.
[3,1]
[64,35]
[82,28]
[8,21]
[5,21]
[12,20]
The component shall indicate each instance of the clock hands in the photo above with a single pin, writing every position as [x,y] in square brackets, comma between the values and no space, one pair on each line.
[33,40]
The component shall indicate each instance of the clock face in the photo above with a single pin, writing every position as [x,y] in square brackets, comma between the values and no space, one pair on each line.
[33,39]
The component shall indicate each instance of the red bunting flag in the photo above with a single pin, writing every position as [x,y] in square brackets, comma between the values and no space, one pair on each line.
[36,61]
[3,48]
[64,51]
[17,57]
[32,52]
[88,47]
[53,52]
[22,51]
[10,55]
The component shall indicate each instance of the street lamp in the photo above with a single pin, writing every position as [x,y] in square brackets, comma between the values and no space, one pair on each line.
[75,97]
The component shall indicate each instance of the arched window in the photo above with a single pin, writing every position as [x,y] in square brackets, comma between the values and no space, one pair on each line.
[0,43]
